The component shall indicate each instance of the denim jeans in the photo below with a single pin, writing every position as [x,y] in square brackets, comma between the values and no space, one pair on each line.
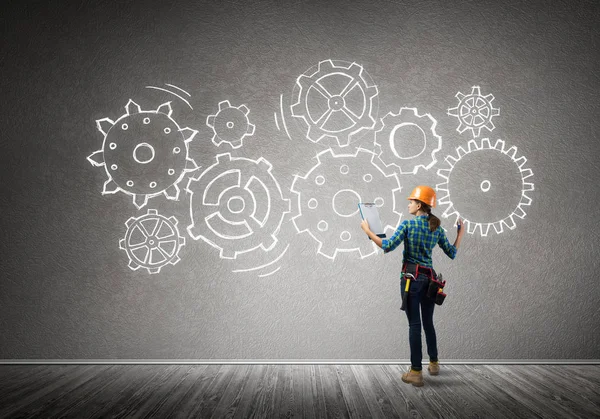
[417,297]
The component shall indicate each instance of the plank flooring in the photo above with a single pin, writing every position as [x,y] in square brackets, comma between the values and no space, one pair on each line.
[297,390]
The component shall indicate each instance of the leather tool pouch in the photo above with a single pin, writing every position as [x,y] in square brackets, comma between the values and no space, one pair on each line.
[440,297]
[435,290]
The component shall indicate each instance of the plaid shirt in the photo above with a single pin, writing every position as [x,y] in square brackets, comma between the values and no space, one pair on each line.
[419,241]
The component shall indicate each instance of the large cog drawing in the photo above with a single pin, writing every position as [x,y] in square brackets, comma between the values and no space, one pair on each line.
[474,112]
[144,153]
[236,205]
[230,124]
[485,182]
[408,140]
[328,197]
[337,102]
[152,241]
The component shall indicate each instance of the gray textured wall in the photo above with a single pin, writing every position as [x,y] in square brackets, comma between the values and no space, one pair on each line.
[66,288]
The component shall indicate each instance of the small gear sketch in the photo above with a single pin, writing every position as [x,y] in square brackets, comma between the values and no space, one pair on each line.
[236,205]
[337,101]
[474,112]
[144,153]
[152,241]
[485,182]
[408,140]
[230,124]
[328,197]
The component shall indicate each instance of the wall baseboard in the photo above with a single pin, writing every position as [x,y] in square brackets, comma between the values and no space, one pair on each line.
[296,361]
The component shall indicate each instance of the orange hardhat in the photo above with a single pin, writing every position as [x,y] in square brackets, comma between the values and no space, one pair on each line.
[424,194]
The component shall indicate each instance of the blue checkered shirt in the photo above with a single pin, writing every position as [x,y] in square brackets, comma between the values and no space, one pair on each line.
[419,241]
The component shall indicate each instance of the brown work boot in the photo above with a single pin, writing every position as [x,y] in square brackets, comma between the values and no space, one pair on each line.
[434,368]
[413,377]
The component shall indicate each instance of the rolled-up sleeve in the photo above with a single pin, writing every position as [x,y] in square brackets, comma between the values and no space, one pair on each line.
[398,237]
[448,248]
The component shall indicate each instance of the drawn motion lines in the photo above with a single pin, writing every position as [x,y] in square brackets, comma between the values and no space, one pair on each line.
[173,93]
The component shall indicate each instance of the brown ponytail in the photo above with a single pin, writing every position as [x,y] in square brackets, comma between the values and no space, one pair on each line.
[434,222]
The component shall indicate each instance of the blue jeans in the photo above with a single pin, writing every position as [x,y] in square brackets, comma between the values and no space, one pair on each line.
[417,297]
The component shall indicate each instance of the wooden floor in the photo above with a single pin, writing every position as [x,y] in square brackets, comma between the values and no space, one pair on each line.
[310,391]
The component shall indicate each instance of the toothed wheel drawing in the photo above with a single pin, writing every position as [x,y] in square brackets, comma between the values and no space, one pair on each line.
[485,182]
[230,124]
[408,141]
[342,181]
[144,153]
[474,112]
[337,102]
[152,241]
[236,205]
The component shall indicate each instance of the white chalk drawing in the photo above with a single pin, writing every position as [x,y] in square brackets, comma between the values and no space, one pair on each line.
[408,141]
[485,182]
[152,241]
[264,265]
[178,88]
[474,112]
[230,124]
[260,262]
[276,121]
[236,205]
[282,113]
[331,214]
[144,153]
[337,101]
[270,273]
[173,93]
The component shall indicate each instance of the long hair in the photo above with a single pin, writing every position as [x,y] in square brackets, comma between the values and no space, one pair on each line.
[434,222]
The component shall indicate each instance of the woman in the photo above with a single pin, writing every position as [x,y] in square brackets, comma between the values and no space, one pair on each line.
[420,235]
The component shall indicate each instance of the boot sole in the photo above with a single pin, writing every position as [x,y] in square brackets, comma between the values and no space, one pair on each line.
[413,383]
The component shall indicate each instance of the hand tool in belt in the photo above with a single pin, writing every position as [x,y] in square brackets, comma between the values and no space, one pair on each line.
[405,296]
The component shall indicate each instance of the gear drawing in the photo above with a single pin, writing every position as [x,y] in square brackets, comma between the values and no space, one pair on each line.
[152,241]
[144,153]
[485,182]
[337,101]
[408,140]
[230,124]
[474,112]
[328,197]
[236,205]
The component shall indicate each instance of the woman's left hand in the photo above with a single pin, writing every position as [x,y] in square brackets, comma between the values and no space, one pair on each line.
[365,226]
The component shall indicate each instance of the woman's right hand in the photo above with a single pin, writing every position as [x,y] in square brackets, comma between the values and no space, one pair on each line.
[460,230]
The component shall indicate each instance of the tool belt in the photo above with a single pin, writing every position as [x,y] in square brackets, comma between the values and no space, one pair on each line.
[436,284]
